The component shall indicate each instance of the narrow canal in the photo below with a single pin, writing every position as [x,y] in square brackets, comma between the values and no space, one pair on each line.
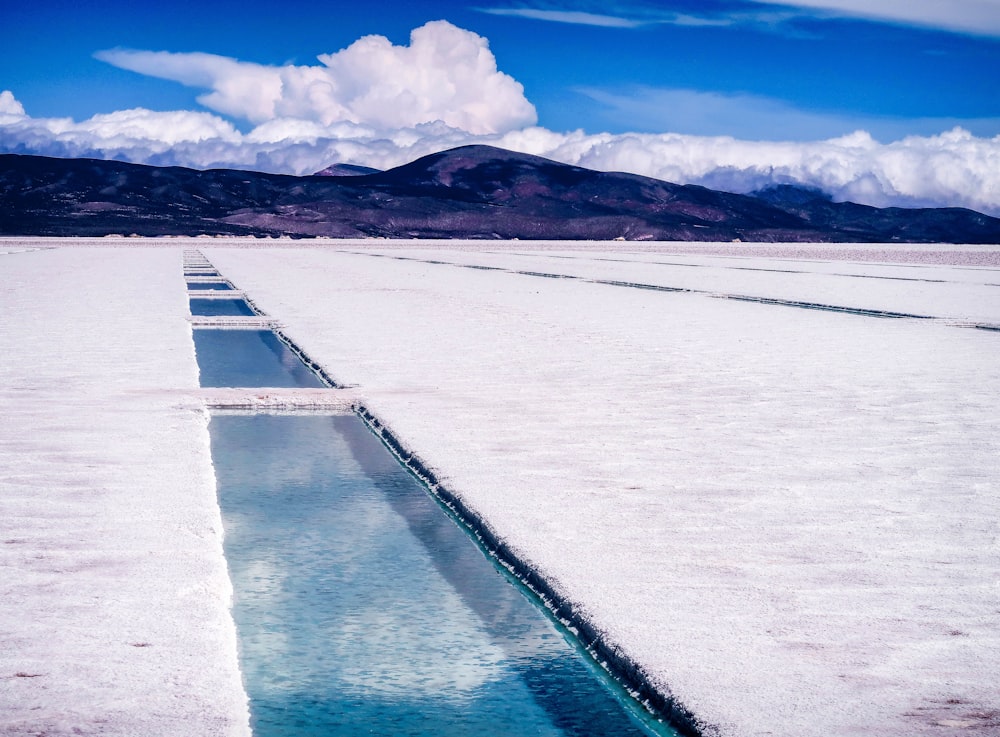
[361,607]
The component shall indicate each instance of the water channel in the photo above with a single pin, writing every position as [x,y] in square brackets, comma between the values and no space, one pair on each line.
[221,308]
[249,358]
[361,607]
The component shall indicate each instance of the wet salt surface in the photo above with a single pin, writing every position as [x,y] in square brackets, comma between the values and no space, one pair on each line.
[249,358]
[362,608]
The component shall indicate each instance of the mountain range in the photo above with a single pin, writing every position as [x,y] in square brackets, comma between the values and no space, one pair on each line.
[466,192]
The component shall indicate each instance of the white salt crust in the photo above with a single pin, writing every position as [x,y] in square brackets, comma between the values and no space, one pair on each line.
[114,594]
[788,517]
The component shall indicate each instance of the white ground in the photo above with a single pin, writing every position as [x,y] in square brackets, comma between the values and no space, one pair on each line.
[788,516]
[114,593]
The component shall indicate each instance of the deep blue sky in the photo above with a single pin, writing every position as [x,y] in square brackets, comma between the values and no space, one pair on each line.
[830,74]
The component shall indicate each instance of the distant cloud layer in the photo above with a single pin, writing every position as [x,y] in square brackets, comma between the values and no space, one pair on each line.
[446,74]
[954,168]
[640,14]
[573,17]
[381,105]
[979,17]
[951,169]
[976,17]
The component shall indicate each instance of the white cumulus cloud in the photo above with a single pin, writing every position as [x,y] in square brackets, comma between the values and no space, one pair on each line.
[953,168]
[446,75]
[9,104]
[160,128]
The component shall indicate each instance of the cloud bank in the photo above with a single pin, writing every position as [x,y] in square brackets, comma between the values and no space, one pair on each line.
[954,168]
[446,75]
[379,105]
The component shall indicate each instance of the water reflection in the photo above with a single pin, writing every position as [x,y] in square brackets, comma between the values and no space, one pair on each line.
[249,358]
[221,308]
[363,609]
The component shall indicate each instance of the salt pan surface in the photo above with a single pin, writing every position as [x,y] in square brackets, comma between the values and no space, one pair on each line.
[114,593]
[787,517]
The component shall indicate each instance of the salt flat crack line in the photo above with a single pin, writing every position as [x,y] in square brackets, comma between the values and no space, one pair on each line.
[818,306]
[640,285]
[544,274]
[747,268]
[861,311]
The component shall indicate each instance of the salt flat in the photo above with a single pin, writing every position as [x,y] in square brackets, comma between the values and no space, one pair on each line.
[788,517]
[114,594]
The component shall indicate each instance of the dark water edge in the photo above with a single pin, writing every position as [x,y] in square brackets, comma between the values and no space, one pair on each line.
[619,672]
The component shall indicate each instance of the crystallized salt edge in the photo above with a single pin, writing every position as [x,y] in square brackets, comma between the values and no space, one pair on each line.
[659,702]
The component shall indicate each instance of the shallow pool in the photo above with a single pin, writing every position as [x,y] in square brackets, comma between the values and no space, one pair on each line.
[362,608]
[221,308]
[249,358]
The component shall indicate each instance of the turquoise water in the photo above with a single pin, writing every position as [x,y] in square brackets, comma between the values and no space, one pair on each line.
[221,308]
[249,358]
[363,609]
[199,286]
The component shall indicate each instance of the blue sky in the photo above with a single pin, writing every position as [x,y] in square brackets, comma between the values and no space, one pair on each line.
[602,84]
[823,74]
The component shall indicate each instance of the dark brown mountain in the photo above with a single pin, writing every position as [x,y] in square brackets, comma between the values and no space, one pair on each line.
[346,170]
[467,192]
